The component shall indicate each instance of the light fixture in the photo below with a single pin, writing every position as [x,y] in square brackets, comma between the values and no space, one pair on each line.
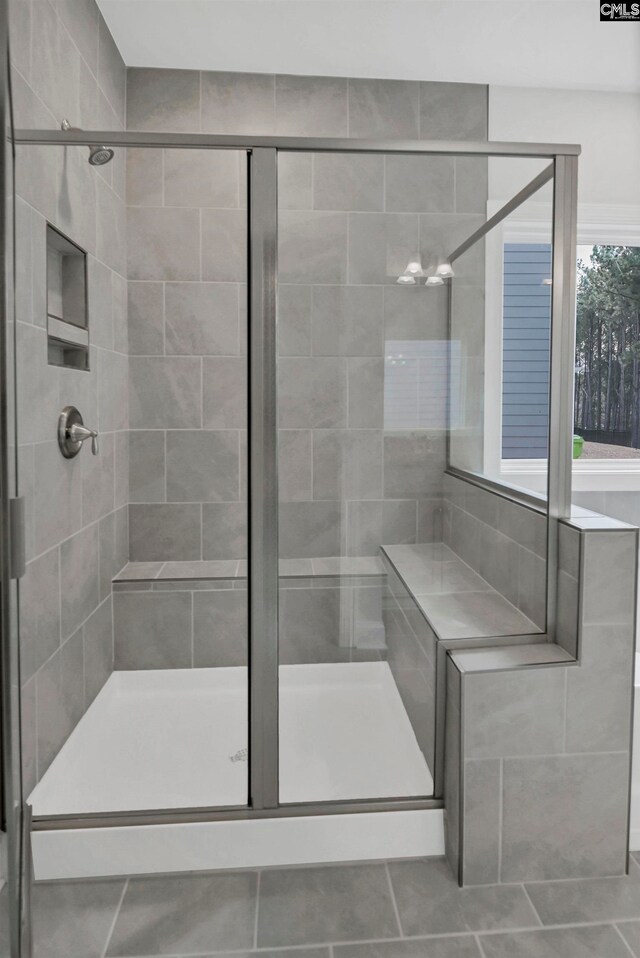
[406,280]
[434,281]
[414,266]
[445,270]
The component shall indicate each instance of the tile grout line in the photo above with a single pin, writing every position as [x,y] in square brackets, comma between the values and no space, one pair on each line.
[623,939]
[535,910]
[478,942]
[393,899]
[115,919]
[257,914]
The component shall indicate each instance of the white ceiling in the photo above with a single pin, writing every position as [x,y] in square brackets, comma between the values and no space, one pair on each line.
[534,43]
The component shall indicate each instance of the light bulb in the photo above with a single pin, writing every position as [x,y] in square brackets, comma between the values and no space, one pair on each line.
[406,280]
[445,270]
[414,266]
[434,281]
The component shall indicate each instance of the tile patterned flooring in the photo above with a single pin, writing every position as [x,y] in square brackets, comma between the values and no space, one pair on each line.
[396,909]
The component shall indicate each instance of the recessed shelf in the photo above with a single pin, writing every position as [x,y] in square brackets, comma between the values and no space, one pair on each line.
[67,314]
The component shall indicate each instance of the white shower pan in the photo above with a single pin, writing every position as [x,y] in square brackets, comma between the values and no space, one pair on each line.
[171,739]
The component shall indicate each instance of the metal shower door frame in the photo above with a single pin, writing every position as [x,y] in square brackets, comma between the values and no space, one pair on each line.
[262,153]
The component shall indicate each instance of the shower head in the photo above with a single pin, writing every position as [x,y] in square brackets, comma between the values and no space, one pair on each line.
[99,155]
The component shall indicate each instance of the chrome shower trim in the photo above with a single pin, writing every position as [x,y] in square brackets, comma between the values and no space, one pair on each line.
[229,813]
[296,144]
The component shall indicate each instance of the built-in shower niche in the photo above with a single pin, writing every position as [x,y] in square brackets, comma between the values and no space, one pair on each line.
[67,313]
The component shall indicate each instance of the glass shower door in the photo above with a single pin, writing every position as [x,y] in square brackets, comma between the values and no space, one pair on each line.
[362,365]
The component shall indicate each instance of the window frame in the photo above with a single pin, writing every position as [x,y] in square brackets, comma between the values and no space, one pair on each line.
[597,225]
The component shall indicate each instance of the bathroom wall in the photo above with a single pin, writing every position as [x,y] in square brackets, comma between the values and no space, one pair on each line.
[65,65]
[504,541]
[351,476]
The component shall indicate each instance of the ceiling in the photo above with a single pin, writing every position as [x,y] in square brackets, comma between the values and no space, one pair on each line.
[534,43]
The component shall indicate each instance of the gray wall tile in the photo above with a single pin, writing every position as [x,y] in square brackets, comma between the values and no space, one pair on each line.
[225,388]
[309,529]
[202,319]
[312,247]
[481,817]
[347,321]
[163,100]
[295,181]
[224,246]
[160,532]
[199,178]
[146,319]
[147,466]
[152,630]
[39,612]
[294,320]
[224,530]
[311,106]
[453,111]
[163,243]
[80,591]
[312,393]
[144,177]
[238,103]
[348,181]
[420,184]
[98,650]
[166,392]
[202,466]
[381,245]
[384,108]
[60,699]
[582,840]
[220,628]
[347,463]
[294,464]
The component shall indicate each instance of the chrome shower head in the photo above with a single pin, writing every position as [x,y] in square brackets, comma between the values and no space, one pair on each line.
[99,155]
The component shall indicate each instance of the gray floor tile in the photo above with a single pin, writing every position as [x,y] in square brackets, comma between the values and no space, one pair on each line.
[588,899]
[596,941]
[630,931]
[186,914]
[313,905]
[73,919]
[456,946]
[430,902]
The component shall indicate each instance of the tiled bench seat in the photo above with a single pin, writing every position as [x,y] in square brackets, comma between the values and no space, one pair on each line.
[236,569]
[455,600]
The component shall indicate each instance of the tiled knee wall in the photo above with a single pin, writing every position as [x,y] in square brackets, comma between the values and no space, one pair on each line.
[538,759]
[504,541]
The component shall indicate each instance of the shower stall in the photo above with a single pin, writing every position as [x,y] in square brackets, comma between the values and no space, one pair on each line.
[313,513]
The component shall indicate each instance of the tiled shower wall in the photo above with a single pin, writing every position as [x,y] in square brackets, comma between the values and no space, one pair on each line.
[351,476]
[504,541]
[65,65]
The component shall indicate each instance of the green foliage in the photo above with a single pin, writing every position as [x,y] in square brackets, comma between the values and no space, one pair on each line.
[608,342]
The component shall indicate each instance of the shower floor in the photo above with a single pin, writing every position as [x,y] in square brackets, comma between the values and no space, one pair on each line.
[175,739]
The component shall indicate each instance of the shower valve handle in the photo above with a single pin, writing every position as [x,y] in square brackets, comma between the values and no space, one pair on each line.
[78,433]
[72,433]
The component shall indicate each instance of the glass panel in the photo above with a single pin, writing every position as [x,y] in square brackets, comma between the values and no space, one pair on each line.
[167,490]
[499,373]
[500,340]
[363,407]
